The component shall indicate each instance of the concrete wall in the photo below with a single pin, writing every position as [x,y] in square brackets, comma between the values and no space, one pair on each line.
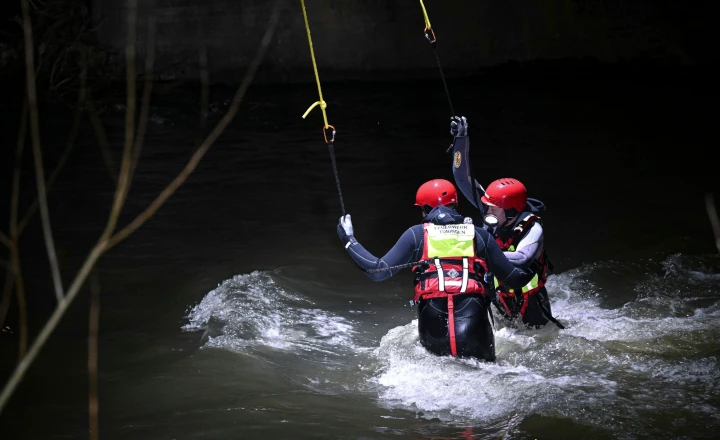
[381,39]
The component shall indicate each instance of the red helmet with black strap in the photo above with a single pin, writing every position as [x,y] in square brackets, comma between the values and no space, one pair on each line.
[436,192]
[506,193]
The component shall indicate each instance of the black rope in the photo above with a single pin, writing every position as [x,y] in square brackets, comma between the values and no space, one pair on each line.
[547,313]
[335,171]
[430,36]
[400,266]
[442,74]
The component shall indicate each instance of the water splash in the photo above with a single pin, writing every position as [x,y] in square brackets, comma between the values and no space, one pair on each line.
[656,350]
[251,310]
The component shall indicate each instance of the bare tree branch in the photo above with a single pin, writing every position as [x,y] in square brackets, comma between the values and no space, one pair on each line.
[104,242]
[130,102]
[37,153]
[714,220]
[22,308]
[93,404]
[14,201]
[7,292]
[66,154]
[50,325]
[212,137]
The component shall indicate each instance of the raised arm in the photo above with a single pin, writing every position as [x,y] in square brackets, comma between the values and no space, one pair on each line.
[462,171]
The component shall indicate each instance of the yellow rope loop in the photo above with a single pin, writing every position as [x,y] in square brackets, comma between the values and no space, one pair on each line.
[427,19]
[321,102]
[322,105]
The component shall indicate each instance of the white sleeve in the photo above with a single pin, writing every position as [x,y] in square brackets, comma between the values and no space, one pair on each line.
[529,248]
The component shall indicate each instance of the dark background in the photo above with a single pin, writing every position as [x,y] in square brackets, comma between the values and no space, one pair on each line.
[602,108]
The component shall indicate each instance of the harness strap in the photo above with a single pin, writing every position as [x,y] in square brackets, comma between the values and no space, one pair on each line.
[451,324]
[526,300]
[429,275]
[440,275]
[463,287]
[501,300]
[524,222]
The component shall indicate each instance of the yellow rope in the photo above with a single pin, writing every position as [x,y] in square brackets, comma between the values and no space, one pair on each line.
[427,19]
[322,103]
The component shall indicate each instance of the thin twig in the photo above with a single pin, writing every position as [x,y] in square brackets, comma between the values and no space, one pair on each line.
[66,154]
[200,152]
[37,153]
[50,325]
[103,244]
[7,292]
[714,220]
[14,235]
[93,405]
[14,201]
[130,102]
[22,307]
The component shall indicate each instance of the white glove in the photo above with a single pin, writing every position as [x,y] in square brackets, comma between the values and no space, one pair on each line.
[346,224]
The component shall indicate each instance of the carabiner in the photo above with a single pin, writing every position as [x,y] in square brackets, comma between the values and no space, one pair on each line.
[428,32]
[332,138]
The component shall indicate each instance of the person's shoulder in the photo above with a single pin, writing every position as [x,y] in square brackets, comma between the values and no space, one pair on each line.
[415,230]
[481,231]
[537,226]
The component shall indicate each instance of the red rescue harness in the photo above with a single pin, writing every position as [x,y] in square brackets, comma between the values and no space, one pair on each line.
[539,266]
[446,277]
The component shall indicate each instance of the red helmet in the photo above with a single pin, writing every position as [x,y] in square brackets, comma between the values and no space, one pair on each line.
[436,192]
[506,193]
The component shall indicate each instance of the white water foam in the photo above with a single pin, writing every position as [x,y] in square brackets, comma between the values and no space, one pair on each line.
[252,310]
[607,366]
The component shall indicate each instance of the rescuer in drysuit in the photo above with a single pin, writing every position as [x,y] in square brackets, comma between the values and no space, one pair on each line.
[451,259]
[513,221]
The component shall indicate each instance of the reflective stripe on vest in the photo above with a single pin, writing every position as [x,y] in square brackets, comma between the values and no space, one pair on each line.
[532,285]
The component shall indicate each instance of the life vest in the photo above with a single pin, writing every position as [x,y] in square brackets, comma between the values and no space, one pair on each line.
[450,267]
[539,266]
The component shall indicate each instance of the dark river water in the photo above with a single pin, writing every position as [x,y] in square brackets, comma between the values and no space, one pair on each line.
[235,313]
